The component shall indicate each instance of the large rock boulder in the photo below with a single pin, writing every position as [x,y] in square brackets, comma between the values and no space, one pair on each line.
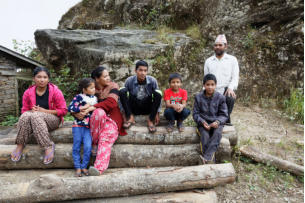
[118,50]
[266,36]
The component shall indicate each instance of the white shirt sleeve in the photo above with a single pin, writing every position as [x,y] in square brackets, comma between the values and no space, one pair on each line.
[235,75]
[206,69]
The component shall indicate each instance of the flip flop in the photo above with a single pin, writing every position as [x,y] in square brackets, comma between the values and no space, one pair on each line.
[86,172]
[49,155]
[78,174]
[93,171]
[152,128]
[16,155]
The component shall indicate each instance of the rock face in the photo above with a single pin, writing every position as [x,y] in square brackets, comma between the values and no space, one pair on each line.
[118,50]
[266,36]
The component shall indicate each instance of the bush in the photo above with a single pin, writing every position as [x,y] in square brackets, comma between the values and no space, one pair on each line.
[9,120]
[294,105]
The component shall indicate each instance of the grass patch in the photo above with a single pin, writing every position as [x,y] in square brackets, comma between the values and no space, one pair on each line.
[194,32]
[9,120]
[68,117]
[294,105]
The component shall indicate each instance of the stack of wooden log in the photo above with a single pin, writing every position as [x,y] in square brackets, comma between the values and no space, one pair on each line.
[141,163]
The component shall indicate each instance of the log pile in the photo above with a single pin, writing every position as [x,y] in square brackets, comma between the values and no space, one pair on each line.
[140,164]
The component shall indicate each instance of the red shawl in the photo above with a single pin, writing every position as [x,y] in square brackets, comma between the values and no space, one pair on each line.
[109,102]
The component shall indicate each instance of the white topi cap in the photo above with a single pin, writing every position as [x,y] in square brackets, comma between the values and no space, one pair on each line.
[221,39]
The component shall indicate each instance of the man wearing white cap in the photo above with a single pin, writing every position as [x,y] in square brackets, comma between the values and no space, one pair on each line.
[225,68]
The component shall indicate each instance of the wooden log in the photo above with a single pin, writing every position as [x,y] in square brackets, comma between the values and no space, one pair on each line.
[121,156]
[125,182]
[284,165]
[176,197]
[136,135]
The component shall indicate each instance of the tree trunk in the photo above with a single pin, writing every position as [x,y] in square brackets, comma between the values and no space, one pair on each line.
[136,135]
[122,155]
[125,182]
[272,160]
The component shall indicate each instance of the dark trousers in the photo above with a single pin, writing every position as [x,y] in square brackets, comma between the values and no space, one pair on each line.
[209,140]
[171,115]
[230,104]
[132,105]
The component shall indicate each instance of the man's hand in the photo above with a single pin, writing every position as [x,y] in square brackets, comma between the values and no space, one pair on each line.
[215,124]
[230,93]
[206,125]
[157,119]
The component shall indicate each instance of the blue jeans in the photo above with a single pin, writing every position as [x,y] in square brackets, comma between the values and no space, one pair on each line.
[171,115]
[81,135]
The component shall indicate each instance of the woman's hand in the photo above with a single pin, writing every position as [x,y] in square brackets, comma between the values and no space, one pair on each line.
[38,108]
[80,115]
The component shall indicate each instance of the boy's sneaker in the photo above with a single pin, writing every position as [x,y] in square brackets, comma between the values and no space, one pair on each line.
[170,126]
[180,126]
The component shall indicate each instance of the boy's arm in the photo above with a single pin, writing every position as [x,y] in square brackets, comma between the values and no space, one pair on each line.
[222,114]
[156,88]
[196,113]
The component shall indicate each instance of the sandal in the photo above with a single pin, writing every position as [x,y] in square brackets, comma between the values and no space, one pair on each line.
[152,128]
[170,126]
[93,171]
[49,155]
[85,172]
[78,173]
[16,155]
[180,126]
[94,150]
[127,124]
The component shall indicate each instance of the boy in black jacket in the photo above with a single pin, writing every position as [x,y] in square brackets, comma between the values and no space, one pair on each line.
[210,113]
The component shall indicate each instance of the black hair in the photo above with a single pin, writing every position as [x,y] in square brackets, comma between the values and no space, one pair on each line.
[209,77]
[141,63]
[173,76]
[39,69]
[96,73]
[85,83]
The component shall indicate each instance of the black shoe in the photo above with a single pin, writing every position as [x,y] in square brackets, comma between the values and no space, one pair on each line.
[229,124]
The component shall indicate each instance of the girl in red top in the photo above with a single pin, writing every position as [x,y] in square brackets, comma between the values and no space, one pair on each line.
[175,99]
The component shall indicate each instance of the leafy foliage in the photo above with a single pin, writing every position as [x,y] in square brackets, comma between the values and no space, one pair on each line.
[294,105]
[9,120]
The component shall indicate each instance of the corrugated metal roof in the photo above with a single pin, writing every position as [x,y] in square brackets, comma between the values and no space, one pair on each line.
[20,56]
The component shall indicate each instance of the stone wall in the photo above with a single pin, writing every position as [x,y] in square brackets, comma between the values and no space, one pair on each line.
[8,88]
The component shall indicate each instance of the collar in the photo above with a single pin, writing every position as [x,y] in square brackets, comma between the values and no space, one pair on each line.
[208,97]
[136,80]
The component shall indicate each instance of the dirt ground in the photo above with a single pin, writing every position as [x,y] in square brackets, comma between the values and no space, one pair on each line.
[268,131]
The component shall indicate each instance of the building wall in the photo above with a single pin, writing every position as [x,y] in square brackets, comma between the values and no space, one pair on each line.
[8,97]
[8,88]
